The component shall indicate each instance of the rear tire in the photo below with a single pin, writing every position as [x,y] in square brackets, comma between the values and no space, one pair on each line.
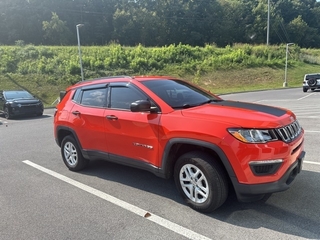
[71,154]
[201,180]
[305,89]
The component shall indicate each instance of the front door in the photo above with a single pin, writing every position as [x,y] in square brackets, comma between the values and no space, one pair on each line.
[133,135]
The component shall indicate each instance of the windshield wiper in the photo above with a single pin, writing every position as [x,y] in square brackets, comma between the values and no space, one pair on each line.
[187,105]
[210,101]
[184,106]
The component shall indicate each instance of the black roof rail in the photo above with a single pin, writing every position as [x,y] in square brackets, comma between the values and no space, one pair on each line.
[120,76]
[109,77]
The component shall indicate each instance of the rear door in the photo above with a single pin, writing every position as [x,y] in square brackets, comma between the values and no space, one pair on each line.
[87,117]
[132,135]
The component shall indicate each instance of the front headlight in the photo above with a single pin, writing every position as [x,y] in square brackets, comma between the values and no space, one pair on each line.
[253,135]
[12,104]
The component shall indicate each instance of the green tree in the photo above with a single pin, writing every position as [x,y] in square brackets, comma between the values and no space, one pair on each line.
[303,34]
[56,31]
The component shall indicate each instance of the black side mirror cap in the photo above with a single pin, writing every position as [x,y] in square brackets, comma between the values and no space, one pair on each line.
[140,106]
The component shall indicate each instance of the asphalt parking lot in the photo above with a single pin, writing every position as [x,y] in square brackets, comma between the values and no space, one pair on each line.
[41,199]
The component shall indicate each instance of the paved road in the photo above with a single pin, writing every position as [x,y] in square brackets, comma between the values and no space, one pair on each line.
[41,199]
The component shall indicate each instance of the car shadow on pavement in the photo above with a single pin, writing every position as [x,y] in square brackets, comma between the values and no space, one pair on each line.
[292,212]
[133,177]
[24,118]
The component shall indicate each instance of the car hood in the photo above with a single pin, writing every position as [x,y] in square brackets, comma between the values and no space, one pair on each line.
[242,114]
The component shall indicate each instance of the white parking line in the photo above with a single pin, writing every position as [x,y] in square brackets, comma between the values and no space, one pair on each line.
[305,96]
[316,163]
[311,131]
[307,117]
[275,100]
[134,209]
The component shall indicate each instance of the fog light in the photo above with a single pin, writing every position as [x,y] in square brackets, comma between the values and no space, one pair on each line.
[265,167]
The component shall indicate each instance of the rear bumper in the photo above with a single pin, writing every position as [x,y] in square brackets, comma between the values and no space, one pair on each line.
[307,86]
[250,192]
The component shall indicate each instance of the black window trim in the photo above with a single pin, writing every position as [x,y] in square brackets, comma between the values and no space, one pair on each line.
[128,85]
[86,88]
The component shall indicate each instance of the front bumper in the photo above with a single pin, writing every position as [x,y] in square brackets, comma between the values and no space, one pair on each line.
[26,111]
[250,192]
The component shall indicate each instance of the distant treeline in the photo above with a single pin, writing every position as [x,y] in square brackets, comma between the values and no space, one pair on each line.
[160,22]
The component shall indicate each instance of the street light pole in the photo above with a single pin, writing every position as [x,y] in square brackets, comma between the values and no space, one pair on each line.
[268,23]
[78,37]
[285,84]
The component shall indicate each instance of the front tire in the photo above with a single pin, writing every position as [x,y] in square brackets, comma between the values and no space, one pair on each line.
[71,154]
[201,180]
[6,112]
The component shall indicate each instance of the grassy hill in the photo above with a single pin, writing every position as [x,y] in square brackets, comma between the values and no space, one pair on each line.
[45,70]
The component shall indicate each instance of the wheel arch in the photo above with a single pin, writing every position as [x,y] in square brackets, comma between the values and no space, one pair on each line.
[178,146]
[62,132]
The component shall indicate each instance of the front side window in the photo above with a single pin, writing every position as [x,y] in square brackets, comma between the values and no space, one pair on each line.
[122,97]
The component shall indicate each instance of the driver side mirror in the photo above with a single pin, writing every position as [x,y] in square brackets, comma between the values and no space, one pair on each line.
[141,106]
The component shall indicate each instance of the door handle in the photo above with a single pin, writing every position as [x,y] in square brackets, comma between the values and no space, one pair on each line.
[112,117]
[76,113]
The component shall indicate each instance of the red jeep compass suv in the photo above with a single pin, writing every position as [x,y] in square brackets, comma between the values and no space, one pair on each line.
[173,128]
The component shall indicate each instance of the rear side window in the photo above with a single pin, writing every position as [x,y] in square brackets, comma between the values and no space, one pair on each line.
[94,97]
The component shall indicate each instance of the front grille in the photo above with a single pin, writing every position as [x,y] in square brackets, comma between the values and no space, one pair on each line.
[29,105]
[289,132]
[27,108]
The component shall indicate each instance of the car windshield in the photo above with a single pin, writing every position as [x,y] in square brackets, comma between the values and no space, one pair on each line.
[179,94]
[17,95]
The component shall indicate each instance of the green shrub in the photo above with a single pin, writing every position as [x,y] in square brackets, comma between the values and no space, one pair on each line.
[114,58]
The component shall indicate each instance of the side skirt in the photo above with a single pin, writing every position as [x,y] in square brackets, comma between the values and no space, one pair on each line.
[94,155]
